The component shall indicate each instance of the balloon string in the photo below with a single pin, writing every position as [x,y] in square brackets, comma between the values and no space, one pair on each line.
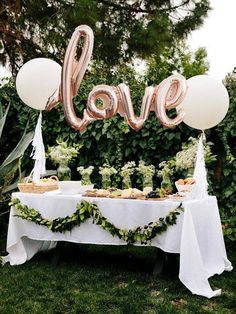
[203,135]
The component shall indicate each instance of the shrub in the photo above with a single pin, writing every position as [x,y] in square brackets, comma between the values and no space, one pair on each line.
[114,140]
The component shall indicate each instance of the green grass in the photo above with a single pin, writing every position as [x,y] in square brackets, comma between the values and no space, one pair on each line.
[100,279]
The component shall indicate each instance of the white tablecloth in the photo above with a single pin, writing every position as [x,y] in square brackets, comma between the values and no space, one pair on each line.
[197,236]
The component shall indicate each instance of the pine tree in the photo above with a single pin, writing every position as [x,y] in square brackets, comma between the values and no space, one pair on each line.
[123,29]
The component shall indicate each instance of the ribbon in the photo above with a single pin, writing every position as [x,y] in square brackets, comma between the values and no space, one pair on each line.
[200,173]
[38,152]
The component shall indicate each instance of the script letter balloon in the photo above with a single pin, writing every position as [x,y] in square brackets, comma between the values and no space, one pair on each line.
[115,99]
[37,81]
[72,75]
[206,102]
[126,107]
[109,99]
[170,94]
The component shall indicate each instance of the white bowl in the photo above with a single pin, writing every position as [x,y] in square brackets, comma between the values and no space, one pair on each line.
[185,189]
[69,187]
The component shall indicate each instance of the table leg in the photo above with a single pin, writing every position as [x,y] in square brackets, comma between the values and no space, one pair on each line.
[57,254]
[60,249]
[166,262]
[159,262]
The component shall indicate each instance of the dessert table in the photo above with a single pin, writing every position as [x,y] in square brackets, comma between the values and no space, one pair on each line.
[197,235]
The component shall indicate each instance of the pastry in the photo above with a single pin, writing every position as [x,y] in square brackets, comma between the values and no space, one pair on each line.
[186,181]
[91,193]
[131,193]
[116,193]
[102,193]
[189,181]
[136,193]
[126,193]
[147,190]
[180,182]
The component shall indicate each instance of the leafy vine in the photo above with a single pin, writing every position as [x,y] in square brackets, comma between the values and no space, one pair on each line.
[85,210]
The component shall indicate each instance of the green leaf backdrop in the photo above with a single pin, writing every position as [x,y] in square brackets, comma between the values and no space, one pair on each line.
[114,141]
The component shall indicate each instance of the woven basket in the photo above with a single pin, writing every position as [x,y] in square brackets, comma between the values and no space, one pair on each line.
[40,187]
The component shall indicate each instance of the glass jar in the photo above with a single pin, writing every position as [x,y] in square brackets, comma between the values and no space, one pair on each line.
[126,182]
[64,172]
[85,180]
[166,184]
[106,181]
[147,181]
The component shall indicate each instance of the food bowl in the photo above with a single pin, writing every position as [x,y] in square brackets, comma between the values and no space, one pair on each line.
[185,189]
[69,187]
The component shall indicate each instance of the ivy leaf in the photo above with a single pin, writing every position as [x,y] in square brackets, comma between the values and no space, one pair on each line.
[82,210]
[82,217]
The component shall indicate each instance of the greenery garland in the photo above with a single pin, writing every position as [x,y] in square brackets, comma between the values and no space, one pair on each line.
[87,210]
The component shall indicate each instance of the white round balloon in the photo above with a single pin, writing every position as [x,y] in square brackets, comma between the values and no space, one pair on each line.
[206,102]
[37,80]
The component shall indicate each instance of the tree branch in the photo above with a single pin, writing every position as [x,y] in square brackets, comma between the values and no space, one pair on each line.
[133,9]
[30,43]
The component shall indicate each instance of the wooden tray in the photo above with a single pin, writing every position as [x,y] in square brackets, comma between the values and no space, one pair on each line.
[156,199]
[143,198]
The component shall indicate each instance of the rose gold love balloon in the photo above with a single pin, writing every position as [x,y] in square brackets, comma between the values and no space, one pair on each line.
[171,93]
[115,99]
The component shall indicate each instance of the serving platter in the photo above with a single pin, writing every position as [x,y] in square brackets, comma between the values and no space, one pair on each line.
[143,198]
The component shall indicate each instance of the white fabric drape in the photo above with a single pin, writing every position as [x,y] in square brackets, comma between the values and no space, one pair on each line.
[197,236]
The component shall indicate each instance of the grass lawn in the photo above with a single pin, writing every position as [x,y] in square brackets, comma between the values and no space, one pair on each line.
[100,279]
